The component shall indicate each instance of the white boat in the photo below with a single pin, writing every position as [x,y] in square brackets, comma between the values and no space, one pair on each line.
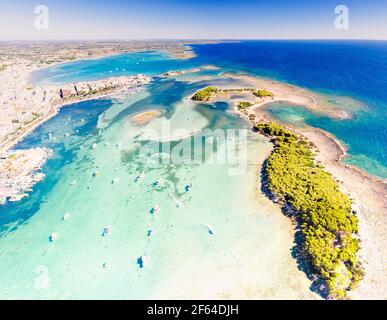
[116,180]
[188,187]
[53,236]
[94,146]
[139,177]
[155,209]
[209,229]
[158,182]
[143,261]
[66,216]
[106,231]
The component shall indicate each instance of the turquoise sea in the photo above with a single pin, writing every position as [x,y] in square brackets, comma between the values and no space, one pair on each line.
[92,179]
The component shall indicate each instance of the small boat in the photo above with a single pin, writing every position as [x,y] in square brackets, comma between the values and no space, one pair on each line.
[155,209]
[209,229]
[106,231]
[94,146]
[139,177]
[73,182]
[53,236]
[158,182]
[143,261]
[96,173]
[149,232]
[66,216]
[188,187]
[116,180]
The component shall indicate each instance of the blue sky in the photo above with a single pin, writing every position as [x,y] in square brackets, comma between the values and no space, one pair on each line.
[195,19]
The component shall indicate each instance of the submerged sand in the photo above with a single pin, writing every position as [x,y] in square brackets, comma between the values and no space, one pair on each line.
[145,117]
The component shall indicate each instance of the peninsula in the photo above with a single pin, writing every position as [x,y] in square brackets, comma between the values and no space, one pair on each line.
[304,173]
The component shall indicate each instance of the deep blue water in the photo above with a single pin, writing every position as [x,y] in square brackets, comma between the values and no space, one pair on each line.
[346,68]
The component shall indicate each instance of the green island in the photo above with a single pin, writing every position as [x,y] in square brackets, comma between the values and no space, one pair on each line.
[263,93]
[244,105]
[327,223]
[204,94]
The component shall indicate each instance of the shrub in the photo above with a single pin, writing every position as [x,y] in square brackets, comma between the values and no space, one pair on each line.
[263,93]
[204,94]
[327,221]
[244,105]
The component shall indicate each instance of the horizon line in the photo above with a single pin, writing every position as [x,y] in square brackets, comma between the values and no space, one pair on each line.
[193,39]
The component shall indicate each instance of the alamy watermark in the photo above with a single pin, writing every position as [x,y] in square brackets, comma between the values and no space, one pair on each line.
[42,280]
[42,19]
[342,18]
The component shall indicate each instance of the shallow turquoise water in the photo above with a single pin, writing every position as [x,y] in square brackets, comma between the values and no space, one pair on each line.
[299,116]
[185,260]
[149,63]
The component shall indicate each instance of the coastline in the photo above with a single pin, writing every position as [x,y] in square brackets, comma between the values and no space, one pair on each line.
[55,110]
[22,71]
[43,103]
[368,193]
[369,196]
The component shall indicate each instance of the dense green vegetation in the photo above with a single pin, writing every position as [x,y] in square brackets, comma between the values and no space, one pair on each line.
[204,94]
[263,93]
[244,105]
[327,223]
